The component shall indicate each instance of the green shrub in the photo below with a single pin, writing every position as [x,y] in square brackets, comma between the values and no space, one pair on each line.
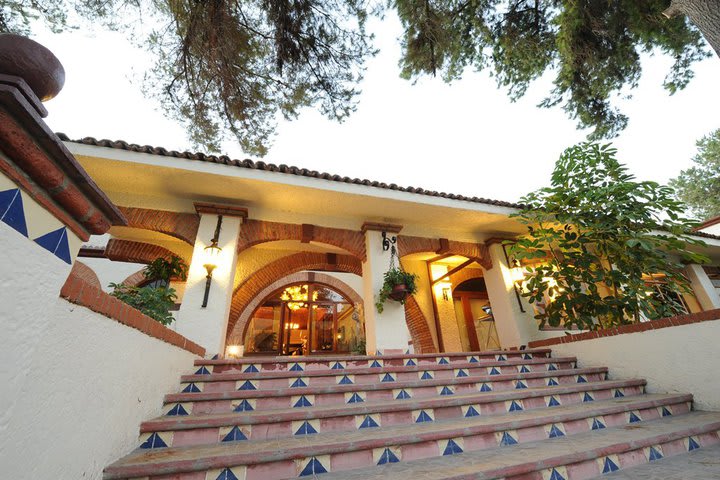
[153,302]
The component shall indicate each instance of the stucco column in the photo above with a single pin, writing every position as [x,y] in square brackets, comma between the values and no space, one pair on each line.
[207,326]
[703,287]
[514,327]
[386,331]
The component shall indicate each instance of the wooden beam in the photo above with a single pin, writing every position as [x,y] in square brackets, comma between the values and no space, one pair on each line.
[444,246]
[439,257]
[453,271]
[381,227]
[308,232]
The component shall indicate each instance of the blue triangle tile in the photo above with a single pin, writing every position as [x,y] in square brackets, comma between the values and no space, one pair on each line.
[485,388]
[654,454]
[337,366]
[153,441]
[588,398]
[507,440]
[494,371]
[524,369]
[56,242]
[692,444]
[552,367]
[248,385]
[388,457]
[527,356]
[618,394]
[12,211]
[452,448]
[345,380]
[375,364]
[202,371]
[234,435]
[251,369]
[555,475]
[226,474]
[244,406]
[177,411]
[461,374]
[520,385]
[356,399]
[423,417]
[474,360]
[302,402]
[312,468]
[426,376]
[555,432]
[501,358]
[515,407]
[191,388]
[379,353]
[216,357]
[597,424]
[296,368]
[666,412]
[298,383]
[471,412]
[368,422]
[553,402]
[581,379]
[552,382]
[609,466]
[388,378]
[306,429]
[411,363]
[446,391]
[443,361]
[402,395]
[634,418]
[407,352]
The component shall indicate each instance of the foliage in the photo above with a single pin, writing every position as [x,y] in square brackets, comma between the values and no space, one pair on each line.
[153,302]
[395,276]
[699,185]
[592,47]
[596,236]
[165,269]
[358,347]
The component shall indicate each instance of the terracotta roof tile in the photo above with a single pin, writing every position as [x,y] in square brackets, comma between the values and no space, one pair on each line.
[270,167]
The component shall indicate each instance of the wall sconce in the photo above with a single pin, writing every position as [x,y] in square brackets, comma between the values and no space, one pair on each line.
[234,351]
[212,252]
[446,293]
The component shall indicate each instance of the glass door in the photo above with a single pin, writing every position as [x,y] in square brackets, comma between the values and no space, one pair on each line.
[322,329]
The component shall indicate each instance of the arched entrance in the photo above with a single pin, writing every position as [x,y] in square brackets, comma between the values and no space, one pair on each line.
[304,319]
[474,316]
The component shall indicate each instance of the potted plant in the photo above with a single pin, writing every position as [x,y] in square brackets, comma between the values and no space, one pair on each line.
[161,270]
[397,285]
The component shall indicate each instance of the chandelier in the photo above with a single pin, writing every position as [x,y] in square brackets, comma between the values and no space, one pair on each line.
[297,296]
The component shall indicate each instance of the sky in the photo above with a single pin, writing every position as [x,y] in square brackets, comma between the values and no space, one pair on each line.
[465,137]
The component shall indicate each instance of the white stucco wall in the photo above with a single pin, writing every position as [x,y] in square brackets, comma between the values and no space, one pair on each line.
[109,271]
[85,390]
[683,359]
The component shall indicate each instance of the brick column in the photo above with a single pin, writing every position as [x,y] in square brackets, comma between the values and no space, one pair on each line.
[703,287]
[387,331]
[207,326]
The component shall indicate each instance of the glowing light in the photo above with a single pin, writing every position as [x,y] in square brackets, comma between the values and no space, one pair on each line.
[297,296]
[234,351]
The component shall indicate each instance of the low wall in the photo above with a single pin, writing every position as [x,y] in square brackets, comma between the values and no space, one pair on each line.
[88,386]
[679,354]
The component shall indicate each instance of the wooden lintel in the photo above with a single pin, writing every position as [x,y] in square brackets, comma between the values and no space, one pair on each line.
[444,246]
[308,232]
[331,258]
[90,252]
[381,227]
[220,209]
[439,257]
[453,271]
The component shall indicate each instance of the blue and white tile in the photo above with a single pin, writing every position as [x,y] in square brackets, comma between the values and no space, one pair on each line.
[312,466]
[608,464]
[299,382]
[555,473]
[424,415]
[445,390]
[227,473]
[234,433]
[385,455]
[244,405]
[426,375]
[296,367]
[247,385]
[376,363]
[654,452]
[302,401]
[178,409]
[555,430]
[402,393]
[152,440]
[514,406]
[461,373]
[469,411]
[507,438]
[367,421]
[305,427]
[355,397]
[344,379]
[451,446]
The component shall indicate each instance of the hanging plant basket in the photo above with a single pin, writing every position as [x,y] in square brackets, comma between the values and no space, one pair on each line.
[399,292]
[397,285]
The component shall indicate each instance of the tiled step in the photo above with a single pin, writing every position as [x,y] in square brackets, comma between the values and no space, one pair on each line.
[277,459]
[266,424]
[269,380]
[327,362]
[699,464]
[343,391]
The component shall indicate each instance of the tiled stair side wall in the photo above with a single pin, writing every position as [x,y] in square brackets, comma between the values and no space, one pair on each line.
[681,357]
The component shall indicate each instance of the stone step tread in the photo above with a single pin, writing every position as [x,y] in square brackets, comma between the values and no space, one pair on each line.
[336,388]
[495,461]
[700,464]
[526,458]
[325,411]
[345,357]
[265,374]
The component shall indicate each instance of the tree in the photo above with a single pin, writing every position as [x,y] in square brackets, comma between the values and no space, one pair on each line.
[602,249]
[227,67]
[699,186]
[705,14]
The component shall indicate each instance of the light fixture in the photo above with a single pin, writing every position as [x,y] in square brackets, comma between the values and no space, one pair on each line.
[297,296]
[233,351]
[212,252]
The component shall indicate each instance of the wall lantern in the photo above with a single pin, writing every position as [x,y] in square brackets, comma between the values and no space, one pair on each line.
[212,255]
[234,351]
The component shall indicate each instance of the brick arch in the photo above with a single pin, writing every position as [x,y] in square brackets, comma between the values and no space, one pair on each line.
[135,279]
[137,252]
[408,245]
[254,232]
[248,290]
[236,336]
[465,274]
[85,273]
[183,226]
[419,330]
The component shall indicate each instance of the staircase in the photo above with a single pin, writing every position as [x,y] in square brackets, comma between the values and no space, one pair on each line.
[511,414]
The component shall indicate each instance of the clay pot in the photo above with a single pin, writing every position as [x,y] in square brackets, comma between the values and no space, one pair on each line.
[399,292]
[27,59]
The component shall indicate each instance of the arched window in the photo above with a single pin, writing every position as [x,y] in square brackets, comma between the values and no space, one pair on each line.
[303,319]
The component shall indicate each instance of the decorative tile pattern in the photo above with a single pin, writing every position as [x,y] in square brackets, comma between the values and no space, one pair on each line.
[580,379]
[232,434]
[634,417]
[557,473]
[367,421]
[387,377]
[302,401]
[191,388]
[382,456]
[596,423]
[338,366]
[665,411]
[527,356]
[586,397]
[300,382]
[552,382]
[653,453]
[470,411]
[461,373]
[402,394]
[618,393]
[247,385]
[493,371]
[422,416]
[305,427]
[485,387]
[345,379]
[505,439]
[451,446]
[355,397]
[443,361]
[297,367]
[473,359]
[608,464]
[375,363]
[56,242]
[245,405]
[312,466]
[203,370]
[555,430]
[692,443]
[523,369]
[552,367]
[514,406]
[232,473]
[425,375]
[251,368]
[500,358]
[155,440]
[446,390]
[411,362]
[520,384]
[177,410]
[552,401]
[12,211]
